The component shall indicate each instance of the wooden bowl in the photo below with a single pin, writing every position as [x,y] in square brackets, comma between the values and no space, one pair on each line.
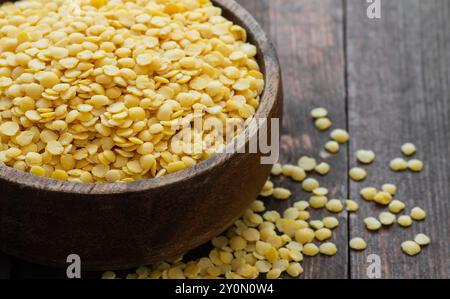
[121,226]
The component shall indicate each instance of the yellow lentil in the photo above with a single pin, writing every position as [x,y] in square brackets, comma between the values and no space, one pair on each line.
[390,188]
[294,269]
[399,164]
[334,206]
[408,149]
[386,218]
[358,243]
[358,174]
[415,165]
[323,234]
[323,124]
[330,222]
[328,248]
[418,214]
[396,206]
[310,249]
[383,198]
[118,83]
[422,239]
[340,135]
[281,193]
[404,221]
[307,163]
[332,147]
[318,202]
[319,112]
[368,193]
[410,248]
[351,205]
[372,223]
[365,156]
[323,168]
[310,184]
[277,169]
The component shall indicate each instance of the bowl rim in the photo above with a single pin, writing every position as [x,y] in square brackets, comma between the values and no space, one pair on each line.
[272,73]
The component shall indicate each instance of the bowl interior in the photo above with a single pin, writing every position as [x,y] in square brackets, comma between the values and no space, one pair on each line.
[268,63]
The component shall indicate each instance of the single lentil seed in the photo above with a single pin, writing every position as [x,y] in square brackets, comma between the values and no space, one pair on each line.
[422,239]
[319,113]
[323,124]
[328,248]
[396,206]
[307,163]
[372,223]
[365,156]
[358,243]
[368,193]
[332,147]
[323,168]
[358,174]
[334,206]
[383,198]
[415,165]
[386,218]
[404,221]
[410,248]
[408,149]
[340,135]
[418,214]
[281,193]
[390,188]
[351,205]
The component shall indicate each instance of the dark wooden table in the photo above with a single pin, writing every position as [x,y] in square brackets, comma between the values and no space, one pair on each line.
[388,82]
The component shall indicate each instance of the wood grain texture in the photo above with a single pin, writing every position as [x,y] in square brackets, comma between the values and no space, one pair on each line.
[398,78]
[308,36]
[5,266]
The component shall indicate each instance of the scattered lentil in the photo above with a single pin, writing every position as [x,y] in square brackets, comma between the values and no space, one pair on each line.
[330,222]
[396,206]
[372,223]
[334,206]
[411,248]
[408,149]
[418,214]
[422,239]
[281,193]
[383,198]
[415,165]
[332,147]
[310,184]
[340,135]
[390,188]
[358,174]
[328,248]
[323,124]
[404,221]
[358,244]
[320,112]
[399,164]
[310,249]
[368,193]
[365,156]
[386,218]
[351,205]
[323,168]
[307,163]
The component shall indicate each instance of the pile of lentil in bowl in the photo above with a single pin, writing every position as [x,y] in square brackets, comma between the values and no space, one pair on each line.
[96,90]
